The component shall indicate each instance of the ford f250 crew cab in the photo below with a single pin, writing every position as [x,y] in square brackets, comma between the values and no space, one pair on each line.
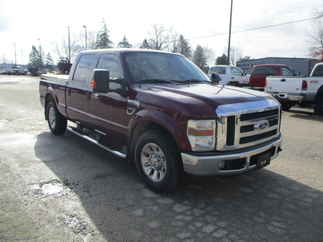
[160,111]
[290,90]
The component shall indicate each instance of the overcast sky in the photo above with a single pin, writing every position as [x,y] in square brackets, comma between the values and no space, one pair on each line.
[24,22]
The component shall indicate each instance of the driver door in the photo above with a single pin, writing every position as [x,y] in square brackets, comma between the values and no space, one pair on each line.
[109,109]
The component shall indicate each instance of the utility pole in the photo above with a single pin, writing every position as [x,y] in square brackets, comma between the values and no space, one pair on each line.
[85,35]
[230,25]
[15,49]
[69,44]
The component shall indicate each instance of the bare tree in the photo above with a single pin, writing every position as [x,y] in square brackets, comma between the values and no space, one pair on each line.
[235,55]
[159,37]
[209,55]
[316,37]
[75,45]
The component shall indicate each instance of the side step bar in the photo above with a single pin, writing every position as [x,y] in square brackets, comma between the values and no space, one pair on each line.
[117,153]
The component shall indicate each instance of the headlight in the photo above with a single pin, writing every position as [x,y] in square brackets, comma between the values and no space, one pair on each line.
[201,134]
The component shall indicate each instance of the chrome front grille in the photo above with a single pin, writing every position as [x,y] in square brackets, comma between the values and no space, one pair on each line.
[248,128]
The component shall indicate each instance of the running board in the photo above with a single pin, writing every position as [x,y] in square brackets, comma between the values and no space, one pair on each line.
[117,153]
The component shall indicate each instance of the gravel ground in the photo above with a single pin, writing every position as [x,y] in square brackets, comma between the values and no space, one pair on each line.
[66,189]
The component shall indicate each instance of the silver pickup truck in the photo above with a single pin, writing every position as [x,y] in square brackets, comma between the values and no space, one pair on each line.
[292,90]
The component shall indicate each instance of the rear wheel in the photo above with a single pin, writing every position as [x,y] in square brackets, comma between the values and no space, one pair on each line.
[319,105]
[56,122]
[157,161]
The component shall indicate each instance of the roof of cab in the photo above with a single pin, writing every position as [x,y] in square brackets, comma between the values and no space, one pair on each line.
[270,65]
[125,50]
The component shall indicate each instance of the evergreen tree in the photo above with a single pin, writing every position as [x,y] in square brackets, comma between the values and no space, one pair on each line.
[222,60]
[49,63]
[199,58]
[183,47]
[145,45]
[64,65]
[124,43]
[102,39]
[35,62]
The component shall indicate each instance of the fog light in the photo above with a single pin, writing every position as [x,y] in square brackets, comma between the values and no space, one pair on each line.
[221,164]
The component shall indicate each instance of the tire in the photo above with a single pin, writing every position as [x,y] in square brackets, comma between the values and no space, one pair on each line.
[286,106]
[56,122]
[319,105]
[161,173]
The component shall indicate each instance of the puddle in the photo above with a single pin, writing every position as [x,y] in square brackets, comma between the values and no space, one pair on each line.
[52,189]
[49,188]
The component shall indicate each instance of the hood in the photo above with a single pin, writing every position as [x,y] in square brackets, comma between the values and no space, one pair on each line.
[195,99]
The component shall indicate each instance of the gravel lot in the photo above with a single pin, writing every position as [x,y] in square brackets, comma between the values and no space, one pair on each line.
[66,189]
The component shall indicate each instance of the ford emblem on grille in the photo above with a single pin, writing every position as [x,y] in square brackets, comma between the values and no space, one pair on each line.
[261,125]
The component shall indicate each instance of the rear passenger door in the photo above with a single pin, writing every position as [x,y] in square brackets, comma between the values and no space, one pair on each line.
[79,91]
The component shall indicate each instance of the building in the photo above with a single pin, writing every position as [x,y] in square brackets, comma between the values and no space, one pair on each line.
[302,66]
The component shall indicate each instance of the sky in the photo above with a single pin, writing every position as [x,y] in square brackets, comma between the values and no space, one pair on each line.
[24,23]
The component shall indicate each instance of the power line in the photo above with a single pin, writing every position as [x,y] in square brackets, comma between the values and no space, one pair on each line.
[261,27]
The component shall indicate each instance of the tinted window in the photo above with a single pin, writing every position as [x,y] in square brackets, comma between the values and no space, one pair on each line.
[236,72]
[318,71]
[265,70]
[85,68]
[160,66]
[112,64]
[287,72]
[218,69]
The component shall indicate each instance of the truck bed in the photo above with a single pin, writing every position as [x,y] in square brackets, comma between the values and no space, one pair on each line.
[283,84]
[54,77]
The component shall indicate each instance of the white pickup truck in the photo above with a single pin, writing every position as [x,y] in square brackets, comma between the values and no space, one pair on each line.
[229,75]
[292,90]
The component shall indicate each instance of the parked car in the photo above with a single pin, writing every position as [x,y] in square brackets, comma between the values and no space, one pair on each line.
[161,111]
[229,75]
[292,90]
[259,73]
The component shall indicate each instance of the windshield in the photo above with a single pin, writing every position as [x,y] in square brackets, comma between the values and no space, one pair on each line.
[155,67]
[218,69]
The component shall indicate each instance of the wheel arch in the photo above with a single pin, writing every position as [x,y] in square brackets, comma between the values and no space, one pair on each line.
[48,98]
[154,121]
[319,93]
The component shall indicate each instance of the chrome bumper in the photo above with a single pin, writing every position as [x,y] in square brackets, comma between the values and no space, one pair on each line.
[210,165]
[288,96]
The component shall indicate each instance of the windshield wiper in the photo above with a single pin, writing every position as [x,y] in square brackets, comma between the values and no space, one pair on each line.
[154,81]
[189,81]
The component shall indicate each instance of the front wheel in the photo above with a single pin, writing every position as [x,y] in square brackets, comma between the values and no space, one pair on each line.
[286,106]
[157,161]
[56,122]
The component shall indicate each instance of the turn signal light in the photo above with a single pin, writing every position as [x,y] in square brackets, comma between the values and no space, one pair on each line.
[93,84]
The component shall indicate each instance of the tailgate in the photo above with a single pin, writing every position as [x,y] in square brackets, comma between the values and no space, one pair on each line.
[284,84]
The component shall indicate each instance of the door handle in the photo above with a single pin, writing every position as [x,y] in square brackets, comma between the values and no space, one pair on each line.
[283,80]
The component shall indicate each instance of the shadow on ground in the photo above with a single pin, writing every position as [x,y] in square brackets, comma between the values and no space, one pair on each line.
[259,206]
[305,114]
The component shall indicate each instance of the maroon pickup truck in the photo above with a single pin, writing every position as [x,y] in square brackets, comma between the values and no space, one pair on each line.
[162,112]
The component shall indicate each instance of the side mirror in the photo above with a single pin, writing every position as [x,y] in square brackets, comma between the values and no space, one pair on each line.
[215,78]
[100,81]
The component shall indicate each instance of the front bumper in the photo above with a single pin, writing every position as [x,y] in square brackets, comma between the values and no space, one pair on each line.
[240,162]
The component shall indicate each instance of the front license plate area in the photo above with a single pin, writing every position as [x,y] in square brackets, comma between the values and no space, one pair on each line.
[262,159]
